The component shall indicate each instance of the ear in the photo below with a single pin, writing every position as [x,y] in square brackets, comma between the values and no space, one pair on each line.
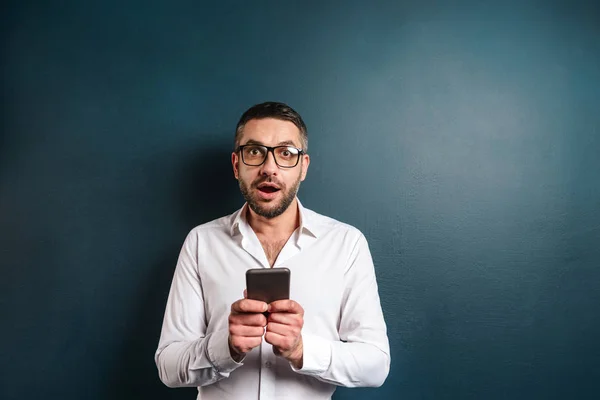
[235,163]
[305,164]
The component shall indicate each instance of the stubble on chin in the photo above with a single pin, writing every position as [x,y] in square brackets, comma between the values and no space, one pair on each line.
[274,211]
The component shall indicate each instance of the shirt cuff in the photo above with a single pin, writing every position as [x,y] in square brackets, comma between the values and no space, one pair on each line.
[218,353]
[316,355]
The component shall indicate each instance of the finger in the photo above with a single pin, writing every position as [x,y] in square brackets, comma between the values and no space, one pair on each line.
[286,319]
[274,339]
[249,306]
[245,344]
[245,294]
[247,319]
[246,331]
[289,306]
[284,330]
[280,342]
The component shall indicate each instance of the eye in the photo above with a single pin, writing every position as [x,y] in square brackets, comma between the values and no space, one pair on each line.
[254,151]
[287,152]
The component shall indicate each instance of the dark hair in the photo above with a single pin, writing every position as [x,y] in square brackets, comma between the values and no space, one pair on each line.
[276,110]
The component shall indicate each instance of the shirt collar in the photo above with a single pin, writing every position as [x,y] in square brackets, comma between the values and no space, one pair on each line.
[308,224]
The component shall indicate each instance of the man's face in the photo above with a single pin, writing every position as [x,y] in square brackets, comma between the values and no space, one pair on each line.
[268,188]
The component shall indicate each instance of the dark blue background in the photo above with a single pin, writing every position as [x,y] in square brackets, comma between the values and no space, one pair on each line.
[462,138]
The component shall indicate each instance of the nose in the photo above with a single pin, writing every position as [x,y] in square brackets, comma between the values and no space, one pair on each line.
[269,167]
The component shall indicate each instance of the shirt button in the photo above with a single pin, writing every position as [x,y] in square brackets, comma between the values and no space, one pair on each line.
[268,364]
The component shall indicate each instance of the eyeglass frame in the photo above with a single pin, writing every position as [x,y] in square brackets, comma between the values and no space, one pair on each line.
[272,151]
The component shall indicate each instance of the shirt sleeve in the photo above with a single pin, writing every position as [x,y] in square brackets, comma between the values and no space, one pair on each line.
[186,355]
[361,358]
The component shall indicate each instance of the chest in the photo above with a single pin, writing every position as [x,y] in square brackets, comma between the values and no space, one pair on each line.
[317,280]
[272,248]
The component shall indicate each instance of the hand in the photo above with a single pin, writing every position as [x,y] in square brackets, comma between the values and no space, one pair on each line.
[246,326]
[284,330]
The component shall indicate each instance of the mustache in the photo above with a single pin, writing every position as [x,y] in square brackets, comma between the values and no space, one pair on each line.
[267,179]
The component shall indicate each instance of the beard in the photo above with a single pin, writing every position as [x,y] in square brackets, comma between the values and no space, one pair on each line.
[276,208]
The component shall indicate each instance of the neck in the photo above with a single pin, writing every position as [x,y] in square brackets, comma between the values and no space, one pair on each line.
[282,225]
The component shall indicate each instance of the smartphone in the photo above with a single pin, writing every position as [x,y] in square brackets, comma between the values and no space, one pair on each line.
[268,284]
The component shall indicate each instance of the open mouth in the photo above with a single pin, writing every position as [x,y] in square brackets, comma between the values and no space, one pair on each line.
[268,188]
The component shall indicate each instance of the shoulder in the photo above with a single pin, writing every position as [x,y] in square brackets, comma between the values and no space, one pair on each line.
[326,226]
[213,229]
[219,224]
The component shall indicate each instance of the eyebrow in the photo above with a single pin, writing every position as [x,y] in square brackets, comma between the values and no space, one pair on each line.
[284,143]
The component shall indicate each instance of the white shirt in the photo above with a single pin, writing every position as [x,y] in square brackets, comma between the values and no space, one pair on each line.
[332,278]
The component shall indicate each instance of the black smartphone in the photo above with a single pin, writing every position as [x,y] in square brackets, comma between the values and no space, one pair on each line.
[268,284]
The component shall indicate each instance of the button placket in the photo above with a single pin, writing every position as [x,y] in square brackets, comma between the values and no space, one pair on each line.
[267,371]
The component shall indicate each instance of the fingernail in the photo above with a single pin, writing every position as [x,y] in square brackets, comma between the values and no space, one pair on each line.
[269,308]
[266,308]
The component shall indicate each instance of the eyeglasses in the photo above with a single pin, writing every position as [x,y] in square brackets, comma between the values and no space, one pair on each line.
[255,155]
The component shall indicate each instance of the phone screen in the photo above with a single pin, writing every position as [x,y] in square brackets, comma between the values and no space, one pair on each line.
[268,284]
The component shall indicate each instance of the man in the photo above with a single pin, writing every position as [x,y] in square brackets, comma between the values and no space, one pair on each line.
[331,332]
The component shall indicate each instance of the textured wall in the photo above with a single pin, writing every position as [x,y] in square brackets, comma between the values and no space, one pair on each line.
[462,139]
